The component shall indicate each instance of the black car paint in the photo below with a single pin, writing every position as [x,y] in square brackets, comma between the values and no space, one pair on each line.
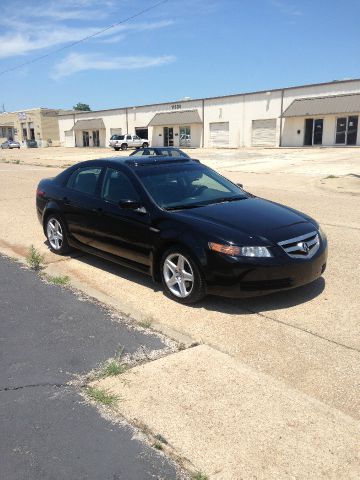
[138,239]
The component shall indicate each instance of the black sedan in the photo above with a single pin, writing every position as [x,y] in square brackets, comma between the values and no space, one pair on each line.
[159,151]
[182,223]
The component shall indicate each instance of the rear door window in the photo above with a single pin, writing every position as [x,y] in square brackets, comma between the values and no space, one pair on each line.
[84,180]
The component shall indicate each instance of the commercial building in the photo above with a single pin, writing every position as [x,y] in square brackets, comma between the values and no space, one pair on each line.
[40,124]
[309,115]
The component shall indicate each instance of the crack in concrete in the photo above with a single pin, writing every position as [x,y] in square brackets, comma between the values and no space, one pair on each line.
[334,342]
[34,385]
[340,226]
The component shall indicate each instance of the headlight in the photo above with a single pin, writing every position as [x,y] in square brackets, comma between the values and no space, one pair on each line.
[235,251]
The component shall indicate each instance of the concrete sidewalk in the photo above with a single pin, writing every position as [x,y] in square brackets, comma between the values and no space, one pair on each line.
[234,422]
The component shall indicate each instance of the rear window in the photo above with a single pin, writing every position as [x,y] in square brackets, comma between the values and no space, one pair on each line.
[117,137]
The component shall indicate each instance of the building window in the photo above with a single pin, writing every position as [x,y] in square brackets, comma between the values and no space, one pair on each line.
[346,130]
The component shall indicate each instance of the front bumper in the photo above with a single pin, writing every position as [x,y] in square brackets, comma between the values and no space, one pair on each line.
[247,278]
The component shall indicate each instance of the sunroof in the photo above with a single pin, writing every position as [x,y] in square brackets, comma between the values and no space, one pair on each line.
[157,160]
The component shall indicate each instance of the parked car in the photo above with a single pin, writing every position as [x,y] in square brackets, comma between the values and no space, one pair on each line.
[31,143]
[182,223]
[124,142]
[159,151]
[10,144]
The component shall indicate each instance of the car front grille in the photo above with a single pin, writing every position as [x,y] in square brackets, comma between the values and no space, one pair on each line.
[304,246]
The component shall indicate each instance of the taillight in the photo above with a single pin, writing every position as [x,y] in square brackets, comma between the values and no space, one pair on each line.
[40,193]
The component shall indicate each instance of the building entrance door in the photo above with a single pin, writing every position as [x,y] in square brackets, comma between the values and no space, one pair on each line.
[168,137]
[85,139]
[96,138]
[313,131]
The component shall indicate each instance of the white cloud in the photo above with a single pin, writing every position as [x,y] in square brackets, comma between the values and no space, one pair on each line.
[21,43]
[28,39]
[76,62]
[286,8]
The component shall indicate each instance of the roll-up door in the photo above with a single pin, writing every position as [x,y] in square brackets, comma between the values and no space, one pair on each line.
[115,131]
[219,134]
[263,133]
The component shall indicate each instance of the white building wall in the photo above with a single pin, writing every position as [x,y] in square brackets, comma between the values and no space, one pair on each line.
[239,111]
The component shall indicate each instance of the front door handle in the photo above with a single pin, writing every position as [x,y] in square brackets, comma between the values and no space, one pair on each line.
[66,201]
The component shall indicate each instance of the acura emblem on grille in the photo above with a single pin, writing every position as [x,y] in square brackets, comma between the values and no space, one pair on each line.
[303,246]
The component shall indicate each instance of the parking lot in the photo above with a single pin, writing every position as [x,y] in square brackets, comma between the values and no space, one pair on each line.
[305,340]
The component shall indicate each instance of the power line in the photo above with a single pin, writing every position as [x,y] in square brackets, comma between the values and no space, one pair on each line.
[82,40]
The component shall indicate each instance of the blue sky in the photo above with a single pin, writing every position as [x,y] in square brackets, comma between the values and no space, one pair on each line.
[183,48]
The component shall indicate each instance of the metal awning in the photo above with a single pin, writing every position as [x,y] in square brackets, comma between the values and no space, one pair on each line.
[333,104]
[184,117]
[90,124]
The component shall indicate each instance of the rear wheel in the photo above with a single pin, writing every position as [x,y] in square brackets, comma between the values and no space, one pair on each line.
[182,279]
[56,235]
[124,146]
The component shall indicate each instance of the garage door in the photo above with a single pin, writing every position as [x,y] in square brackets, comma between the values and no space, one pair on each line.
[263,133]
[115,131]
[69,138]
[219,134]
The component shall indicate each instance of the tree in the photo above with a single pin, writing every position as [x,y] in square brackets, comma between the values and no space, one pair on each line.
[84,107]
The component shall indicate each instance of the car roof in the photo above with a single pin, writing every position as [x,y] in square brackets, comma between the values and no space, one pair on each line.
[134,162]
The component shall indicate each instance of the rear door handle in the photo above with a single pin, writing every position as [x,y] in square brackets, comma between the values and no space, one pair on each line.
[66,201]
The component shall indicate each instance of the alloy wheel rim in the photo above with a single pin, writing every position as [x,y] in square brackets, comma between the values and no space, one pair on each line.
[178,275]
[55,233]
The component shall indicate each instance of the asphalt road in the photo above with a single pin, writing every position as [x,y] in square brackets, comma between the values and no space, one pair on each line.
[47,336]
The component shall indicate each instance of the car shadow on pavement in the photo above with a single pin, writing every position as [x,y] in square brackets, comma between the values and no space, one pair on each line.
[118,270]
[232,306]
[265,303]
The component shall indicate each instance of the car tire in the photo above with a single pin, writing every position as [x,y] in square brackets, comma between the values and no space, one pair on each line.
[145,145]
[189,285]
[56,234]
[116,149]
[124,146]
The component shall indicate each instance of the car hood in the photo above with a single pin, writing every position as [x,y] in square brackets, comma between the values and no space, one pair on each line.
[253,217]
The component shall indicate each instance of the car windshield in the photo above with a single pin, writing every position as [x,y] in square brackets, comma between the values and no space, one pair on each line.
[187,186]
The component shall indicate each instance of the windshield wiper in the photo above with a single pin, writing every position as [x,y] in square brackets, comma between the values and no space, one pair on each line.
[228,199]
[183,207]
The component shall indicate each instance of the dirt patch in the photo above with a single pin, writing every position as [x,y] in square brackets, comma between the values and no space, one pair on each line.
[349,184]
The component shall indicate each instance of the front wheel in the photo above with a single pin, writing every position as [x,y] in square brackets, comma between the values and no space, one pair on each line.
[116,149]
[182,279]
[56,235]
[145,145]
[124,146]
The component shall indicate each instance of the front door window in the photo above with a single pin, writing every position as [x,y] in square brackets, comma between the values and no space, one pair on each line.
[185,137]
[85,139]
[168,137]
